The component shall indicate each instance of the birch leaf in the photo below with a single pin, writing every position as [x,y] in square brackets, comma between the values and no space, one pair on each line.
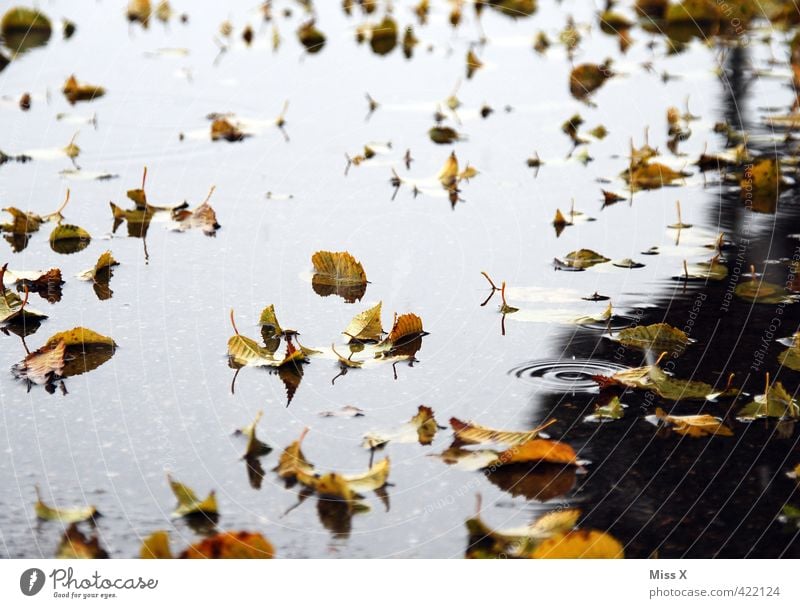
[405,328]
[374,479]
[21,222]
[761,292]
[76,545]
[188,502]
[613,410]
[584,258]
[470,432]
[338,273]
[791,356]
[366,326]
[13,309]
[658,336]
[775,403]
[268,319]
[292,464]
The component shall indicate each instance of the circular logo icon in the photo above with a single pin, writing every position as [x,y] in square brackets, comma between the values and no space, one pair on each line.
[31,581]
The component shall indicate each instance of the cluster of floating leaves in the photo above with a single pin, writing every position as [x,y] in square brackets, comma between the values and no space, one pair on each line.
[525,461]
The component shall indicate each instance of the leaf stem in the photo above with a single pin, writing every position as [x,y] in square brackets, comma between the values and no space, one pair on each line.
[233,322]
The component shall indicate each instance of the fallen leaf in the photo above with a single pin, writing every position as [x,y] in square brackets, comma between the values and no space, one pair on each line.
[586,544]
[776,402]
[366,326]
[76,91]
[67,239]
[485,542]
[310,37]
[42,366]
[584,258]
[658,336]
[231,545]
[649,176]
[699,425]
[65,515]
[791,356]
[338,273]
[421,428]
[292,464]
[613,410]
[255,447]
[23,28]
[188,502]
[347,411]
[222,128]
[653,378]
[202,216]
[102,267]
[470,432]
[80,336]
[156,546]
[75,545]
[588,77]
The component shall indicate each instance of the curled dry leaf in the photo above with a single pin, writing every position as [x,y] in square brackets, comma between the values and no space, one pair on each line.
[255,447]
[203,217]
[700,425]
[292,464]
[470,432]
[188,502]
[67,515]
[366,326]
[583,258]
[537,450]
[156,546]
[613,410]
[776,402]
[14,309]
[405,328]
[42,366]
[422,428]
[76,91]
[102,267]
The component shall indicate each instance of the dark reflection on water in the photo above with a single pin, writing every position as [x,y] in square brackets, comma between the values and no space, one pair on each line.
[673,496]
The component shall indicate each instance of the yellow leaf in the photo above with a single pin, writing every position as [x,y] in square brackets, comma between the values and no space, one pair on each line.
[422,428]
[338,268]
[469,432]
[67,238]
[700,425]
[538,450]
[365,326]
[103,264]
[374,479]
[80,336]
[255,447]
[65,515]
[292,464]
[189,503]
[247,352]
[448,176]
[21,222]
[76,91]
[658,336]
[269,319]
[587,544]
[156,546]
